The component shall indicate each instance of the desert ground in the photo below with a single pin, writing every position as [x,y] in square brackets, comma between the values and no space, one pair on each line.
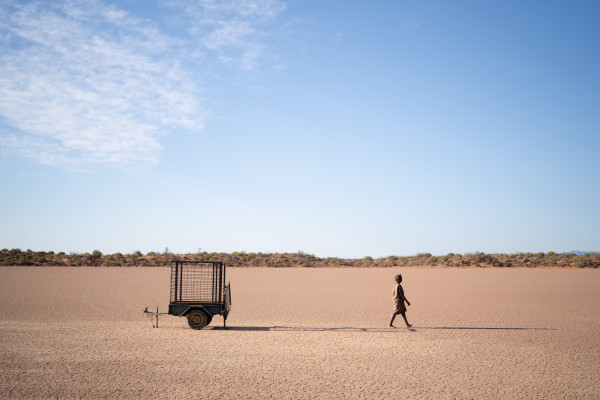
[303,333]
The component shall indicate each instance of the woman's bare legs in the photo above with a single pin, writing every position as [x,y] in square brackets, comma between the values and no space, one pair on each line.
[403,316]
[405,320]
[392,321]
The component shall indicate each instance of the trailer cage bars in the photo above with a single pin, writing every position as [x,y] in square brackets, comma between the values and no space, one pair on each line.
[198,292]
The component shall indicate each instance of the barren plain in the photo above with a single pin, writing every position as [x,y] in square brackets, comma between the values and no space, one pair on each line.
[301,333]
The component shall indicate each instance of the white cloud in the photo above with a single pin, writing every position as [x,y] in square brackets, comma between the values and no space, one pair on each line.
[85,83]
[410,22]
[233,28]
[410,25]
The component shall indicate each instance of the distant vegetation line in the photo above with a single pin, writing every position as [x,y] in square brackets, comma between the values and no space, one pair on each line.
[17,257]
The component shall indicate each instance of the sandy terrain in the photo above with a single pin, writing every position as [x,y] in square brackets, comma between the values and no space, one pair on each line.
[303,333]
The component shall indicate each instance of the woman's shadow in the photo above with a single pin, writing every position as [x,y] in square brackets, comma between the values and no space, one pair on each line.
[283,328]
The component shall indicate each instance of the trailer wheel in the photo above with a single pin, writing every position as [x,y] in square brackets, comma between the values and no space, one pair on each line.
[198,319]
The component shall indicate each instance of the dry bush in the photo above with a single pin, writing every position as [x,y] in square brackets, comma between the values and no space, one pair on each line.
[17,257]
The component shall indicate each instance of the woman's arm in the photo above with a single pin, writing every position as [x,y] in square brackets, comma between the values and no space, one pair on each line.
[403,296]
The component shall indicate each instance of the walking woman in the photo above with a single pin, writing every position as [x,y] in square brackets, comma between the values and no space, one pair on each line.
[399,299]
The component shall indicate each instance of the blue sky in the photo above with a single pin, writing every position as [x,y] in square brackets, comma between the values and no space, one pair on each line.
[333,127]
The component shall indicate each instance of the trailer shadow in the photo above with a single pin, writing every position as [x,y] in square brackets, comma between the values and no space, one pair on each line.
[373,330]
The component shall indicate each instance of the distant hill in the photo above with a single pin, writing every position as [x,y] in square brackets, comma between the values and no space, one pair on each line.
[581,253]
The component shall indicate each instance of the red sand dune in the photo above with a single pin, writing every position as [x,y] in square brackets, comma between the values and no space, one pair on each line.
[303,333]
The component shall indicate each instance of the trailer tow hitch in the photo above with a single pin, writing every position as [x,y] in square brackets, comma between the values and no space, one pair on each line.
[152,314]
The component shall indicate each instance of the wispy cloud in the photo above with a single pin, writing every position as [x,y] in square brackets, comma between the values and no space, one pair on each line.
[85,83]
[410,22]
[410,25]
[235,29]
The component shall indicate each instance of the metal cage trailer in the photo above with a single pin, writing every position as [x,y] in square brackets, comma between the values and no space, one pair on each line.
[198,292]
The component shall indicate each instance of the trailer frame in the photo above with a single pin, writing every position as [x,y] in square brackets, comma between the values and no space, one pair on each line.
[198,292]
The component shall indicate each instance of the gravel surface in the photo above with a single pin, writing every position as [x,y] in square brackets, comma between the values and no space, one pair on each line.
[303,333]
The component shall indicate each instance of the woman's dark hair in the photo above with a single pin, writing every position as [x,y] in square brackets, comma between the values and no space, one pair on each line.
[398,278]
